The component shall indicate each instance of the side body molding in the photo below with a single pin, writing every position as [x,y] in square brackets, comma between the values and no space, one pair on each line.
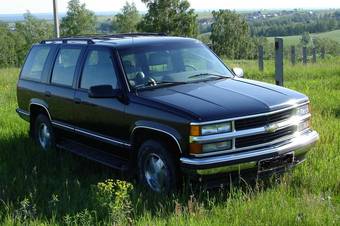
[161,128]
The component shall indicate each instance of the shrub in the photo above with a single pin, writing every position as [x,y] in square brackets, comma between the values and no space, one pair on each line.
[113,199]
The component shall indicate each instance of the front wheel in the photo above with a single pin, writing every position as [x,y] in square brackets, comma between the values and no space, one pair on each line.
[156,167]
[43,132]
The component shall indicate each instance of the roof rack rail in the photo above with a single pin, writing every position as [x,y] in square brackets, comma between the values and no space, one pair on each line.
[120,35]
[89,38]
[131,34]
[67,40]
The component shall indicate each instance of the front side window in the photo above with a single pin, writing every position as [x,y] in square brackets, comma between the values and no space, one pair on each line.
[35,63]
[65,66]
[98,70]
[180,62]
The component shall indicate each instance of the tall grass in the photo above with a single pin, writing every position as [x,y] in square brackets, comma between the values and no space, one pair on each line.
[58,188]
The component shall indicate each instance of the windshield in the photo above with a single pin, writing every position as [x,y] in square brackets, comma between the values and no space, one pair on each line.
[170,64]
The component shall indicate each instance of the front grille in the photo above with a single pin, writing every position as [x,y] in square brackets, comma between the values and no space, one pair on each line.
[263,138]
[261,121]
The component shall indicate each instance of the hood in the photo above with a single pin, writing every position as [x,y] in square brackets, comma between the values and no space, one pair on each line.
[227,98]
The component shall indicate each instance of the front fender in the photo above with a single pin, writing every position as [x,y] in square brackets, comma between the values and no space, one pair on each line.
[155,126]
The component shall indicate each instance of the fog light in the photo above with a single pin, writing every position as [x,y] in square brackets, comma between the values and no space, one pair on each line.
[225,145]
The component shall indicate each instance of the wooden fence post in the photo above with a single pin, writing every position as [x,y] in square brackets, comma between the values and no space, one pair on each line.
[323,53]
[293,55]
[279,61]
[260,49]
[314,55]
[304,55]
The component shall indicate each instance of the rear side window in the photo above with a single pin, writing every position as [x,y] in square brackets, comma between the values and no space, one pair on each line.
[65,66]
[98,70]
[35,63]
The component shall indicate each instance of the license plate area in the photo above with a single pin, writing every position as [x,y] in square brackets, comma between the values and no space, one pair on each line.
[282,161]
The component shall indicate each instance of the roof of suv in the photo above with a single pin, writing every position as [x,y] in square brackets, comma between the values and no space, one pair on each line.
[120,40]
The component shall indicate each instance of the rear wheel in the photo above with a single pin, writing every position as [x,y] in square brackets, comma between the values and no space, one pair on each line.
[156,167]
[43,132]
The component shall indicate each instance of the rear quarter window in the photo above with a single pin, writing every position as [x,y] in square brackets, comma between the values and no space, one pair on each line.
[35,63]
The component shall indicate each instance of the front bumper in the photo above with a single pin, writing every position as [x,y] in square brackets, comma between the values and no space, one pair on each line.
[298,146]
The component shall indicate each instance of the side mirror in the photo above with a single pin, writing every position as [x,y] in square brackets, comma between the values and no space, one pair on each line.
[104,91]
[238,72]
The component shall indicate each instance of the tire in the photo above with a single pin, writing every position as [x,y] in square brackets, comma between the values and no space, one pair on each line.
[156,168]
[43,132]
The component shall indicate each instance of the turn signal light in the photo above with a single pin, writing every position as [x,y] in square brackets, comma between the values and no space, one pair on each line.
[195,148]
[195,130]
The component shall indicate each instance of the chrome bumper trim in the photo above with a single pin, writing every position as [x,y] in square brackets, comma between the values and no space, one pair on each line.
[226,169]
[298,142]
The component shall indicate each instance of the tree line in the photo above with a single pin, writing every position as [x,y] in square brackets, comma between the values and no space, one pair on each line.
[231,36]
[296,24]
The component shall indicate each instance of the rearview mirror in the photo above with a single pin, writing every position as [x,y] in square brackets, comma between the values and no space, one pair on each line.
[103,91]
[238,72]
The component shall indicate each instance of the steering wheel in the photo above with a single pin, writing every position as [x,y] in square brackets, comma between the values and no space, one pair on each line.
[190,66]
[150,80]
[141,79]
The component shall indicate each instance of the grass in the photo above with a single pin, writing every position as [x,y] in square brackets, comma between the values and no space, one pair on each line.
[52,188]
[295,39]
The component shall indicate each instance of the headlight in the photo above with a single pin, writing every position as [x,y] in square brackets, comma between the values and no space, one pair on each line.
[302,110]
[216,128]
[197,130]
[225,145]
[303,125]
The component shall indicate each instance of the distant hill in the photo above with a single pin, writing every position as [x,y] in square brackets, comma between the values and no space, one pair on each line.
[295,39]
[43,16]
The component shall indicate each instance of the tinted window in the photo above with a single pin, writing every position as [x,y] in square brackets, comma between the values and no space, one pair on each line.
[35,62]
[98,70]
[65,66]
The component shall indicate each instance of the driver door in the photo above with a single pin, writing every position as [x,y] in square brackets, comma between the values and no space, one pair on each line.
[100,119]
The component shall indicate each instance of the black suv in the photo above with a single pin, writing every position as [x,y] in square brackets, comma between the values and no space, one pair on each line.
[160,106]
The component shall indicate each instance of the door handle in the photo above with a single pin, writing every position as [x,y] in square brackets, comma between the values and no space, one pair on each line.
[77,100]
[48,94]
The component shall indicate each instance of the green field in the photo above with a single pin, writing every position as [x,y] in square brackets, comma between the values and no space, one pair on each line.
[294,40]
[50,188]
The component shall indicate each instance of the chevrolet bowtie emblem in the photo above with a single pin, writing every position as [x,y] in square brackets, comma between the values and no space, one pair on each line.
[271,128]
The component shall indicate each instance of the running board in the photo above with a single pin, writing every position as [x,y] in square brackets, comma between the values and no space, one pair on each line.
[94,154]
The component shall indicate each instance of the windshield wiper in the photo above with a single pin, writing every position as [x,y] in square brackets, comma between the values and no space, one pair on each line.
[170,82]
[208,74]
[154,85]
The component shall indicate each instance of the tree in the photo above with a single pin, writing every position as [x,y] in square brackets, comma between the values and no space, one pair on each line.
[330,46]
[173,17]
[28,32]
[128,19]
[230,35]
[78,20]
[305,39]
[8,55]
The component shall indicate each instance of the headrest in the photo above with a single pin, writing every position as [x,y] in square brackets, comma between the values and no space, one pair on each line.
[127,63]
[104,58]
[158,58]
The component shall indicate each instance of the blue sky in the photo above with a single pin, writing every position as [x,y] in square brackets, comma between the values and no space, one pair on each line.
[45,6]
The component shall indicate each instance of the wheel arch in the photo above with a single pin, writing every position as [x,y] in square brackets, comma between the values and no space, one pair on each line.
[37,107]
[152,130]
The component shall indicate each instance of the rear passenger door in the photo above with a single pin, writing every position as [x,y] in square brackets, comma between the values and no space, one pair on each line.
[60,92]
[99,118]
